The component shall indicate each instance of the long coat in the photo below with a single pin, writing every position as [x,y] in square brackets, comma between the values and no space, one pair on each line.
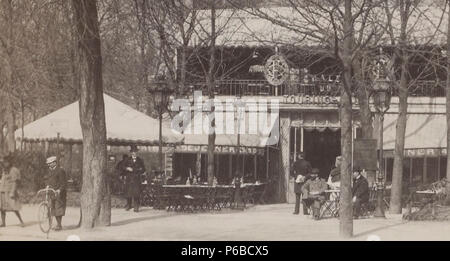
[9,200]
[300,167]
[133,177]
[56,179]
[361,188]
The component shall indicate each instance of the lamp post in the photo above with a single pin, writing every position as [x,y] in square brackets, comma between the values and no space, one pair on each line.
[382,99]
[160,94]
[239,104]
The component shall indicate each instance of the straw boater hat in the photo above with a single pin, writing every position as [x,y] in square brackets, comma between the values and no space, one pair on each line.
[50,159]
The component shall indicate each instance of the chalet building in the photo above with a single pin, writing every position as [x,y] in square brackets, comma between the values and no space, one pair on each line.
[260,61]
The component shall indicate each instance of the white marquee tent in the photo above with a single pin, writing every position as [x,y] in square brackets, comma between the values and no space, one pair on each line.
[123,125]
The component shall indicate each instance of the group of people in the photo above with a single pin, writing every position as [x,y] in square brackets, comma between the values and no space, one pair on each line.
[310,188]
[131,168]
[55,178]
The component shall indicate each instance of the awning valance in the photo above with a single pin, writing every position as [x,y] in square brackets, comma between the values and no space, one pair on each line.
[423,131]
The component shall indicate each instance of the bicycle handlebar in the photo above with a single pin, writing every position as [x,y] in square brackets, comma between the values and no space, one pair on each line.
[47,189]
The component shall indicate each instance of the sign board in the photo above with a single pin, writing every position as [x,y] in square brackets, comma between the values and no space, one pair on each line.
[276,70]
[418,153]
[365,154]
[219,149]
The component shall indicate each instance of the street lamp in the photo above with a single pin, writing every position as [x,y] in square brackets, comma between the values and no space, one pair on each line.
[160,94]
[382,99]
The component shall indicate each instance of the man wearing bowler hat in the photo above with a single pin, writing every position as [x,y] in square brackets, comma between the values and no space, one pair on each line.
[134,168]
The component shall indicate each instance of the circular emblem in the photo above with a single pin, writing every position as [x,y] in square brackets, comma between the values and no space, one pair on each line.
[276,70]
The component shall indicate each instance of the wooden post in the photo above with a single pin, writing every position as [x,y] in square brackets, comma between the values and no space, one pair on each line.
[256,165]
[230,166]
[410,170]
[285,123]
[302,132]
[243,165]
[57,149]
[267,163]
[198,164]
[295,143]
[424,174]
[46,148]
[439,166]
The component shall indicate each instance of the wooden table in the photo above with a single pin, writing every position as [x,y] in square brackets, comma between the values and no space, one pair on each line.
[203,197]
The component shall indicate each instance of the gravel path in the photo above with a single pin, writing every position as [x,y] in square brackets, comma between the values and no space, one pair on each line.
[263,222]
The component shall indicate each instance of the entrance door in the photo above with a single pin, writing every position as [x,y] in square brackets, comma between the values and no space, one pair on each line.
[321,149]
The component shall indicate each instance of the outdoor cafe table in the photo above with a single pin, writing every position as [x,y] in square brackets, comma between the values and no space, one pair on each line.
[330,207]
[204,197]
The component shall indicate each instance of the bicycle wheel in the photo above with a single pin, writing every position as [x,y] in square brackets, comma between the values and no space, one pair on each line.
[44,217]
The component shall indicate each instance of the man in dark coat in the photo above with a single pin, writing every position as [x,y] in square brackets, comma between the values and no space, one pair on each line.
[120,167]
[313,193]
[360,191]
[56,179]
[134,168]
[301,170]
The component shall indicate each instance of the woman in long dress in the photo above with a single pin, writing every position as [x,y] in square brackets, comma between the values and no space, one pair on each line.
[9,199]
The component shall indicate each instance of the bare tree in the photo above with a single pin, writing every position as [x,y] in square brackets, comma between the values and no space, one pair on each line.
[403,20]
[343,30]
[95,197]
[447,91]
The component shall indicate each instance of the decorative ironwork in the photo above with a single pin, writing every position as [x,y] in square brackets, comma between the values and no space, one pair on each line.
[276,70]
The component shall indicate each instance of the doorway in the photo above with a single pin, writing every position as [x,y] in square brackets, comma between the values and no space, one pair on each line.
[321,149]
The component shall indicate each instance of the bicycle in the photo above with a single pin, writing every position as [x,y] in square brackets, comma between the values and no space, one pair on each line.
[45,210]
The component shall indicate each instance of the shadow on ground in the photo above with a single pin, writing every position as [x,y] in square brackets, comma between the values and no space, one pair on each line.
[364,233]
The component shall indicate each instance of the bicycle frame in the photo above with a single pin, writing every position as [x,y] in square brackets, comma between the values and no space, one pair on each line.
[47,190]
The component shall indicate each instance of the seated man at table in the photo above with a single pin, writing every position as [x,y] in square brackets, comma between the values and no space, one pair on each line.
[360,191]
[314,193]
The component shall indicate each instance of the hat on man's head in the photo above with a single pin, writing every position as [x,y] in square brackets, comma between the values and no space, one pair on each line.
[134,148]
[50,159]
[315,171]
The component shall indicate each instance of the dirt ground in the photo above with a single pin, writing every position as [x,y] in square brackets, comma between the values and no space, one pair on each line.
[263,222]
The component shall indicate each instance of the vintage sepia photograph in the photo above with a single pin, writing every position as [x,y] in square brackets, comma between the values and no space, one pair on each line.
[224,120]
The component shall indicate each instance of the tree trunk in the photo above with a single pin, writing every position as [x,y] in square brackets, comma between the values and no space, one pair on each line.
[10,125]
[346,210]
[211,82]
[397,174]
[94,192]
[447,200]
[2,122]
[365,114]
